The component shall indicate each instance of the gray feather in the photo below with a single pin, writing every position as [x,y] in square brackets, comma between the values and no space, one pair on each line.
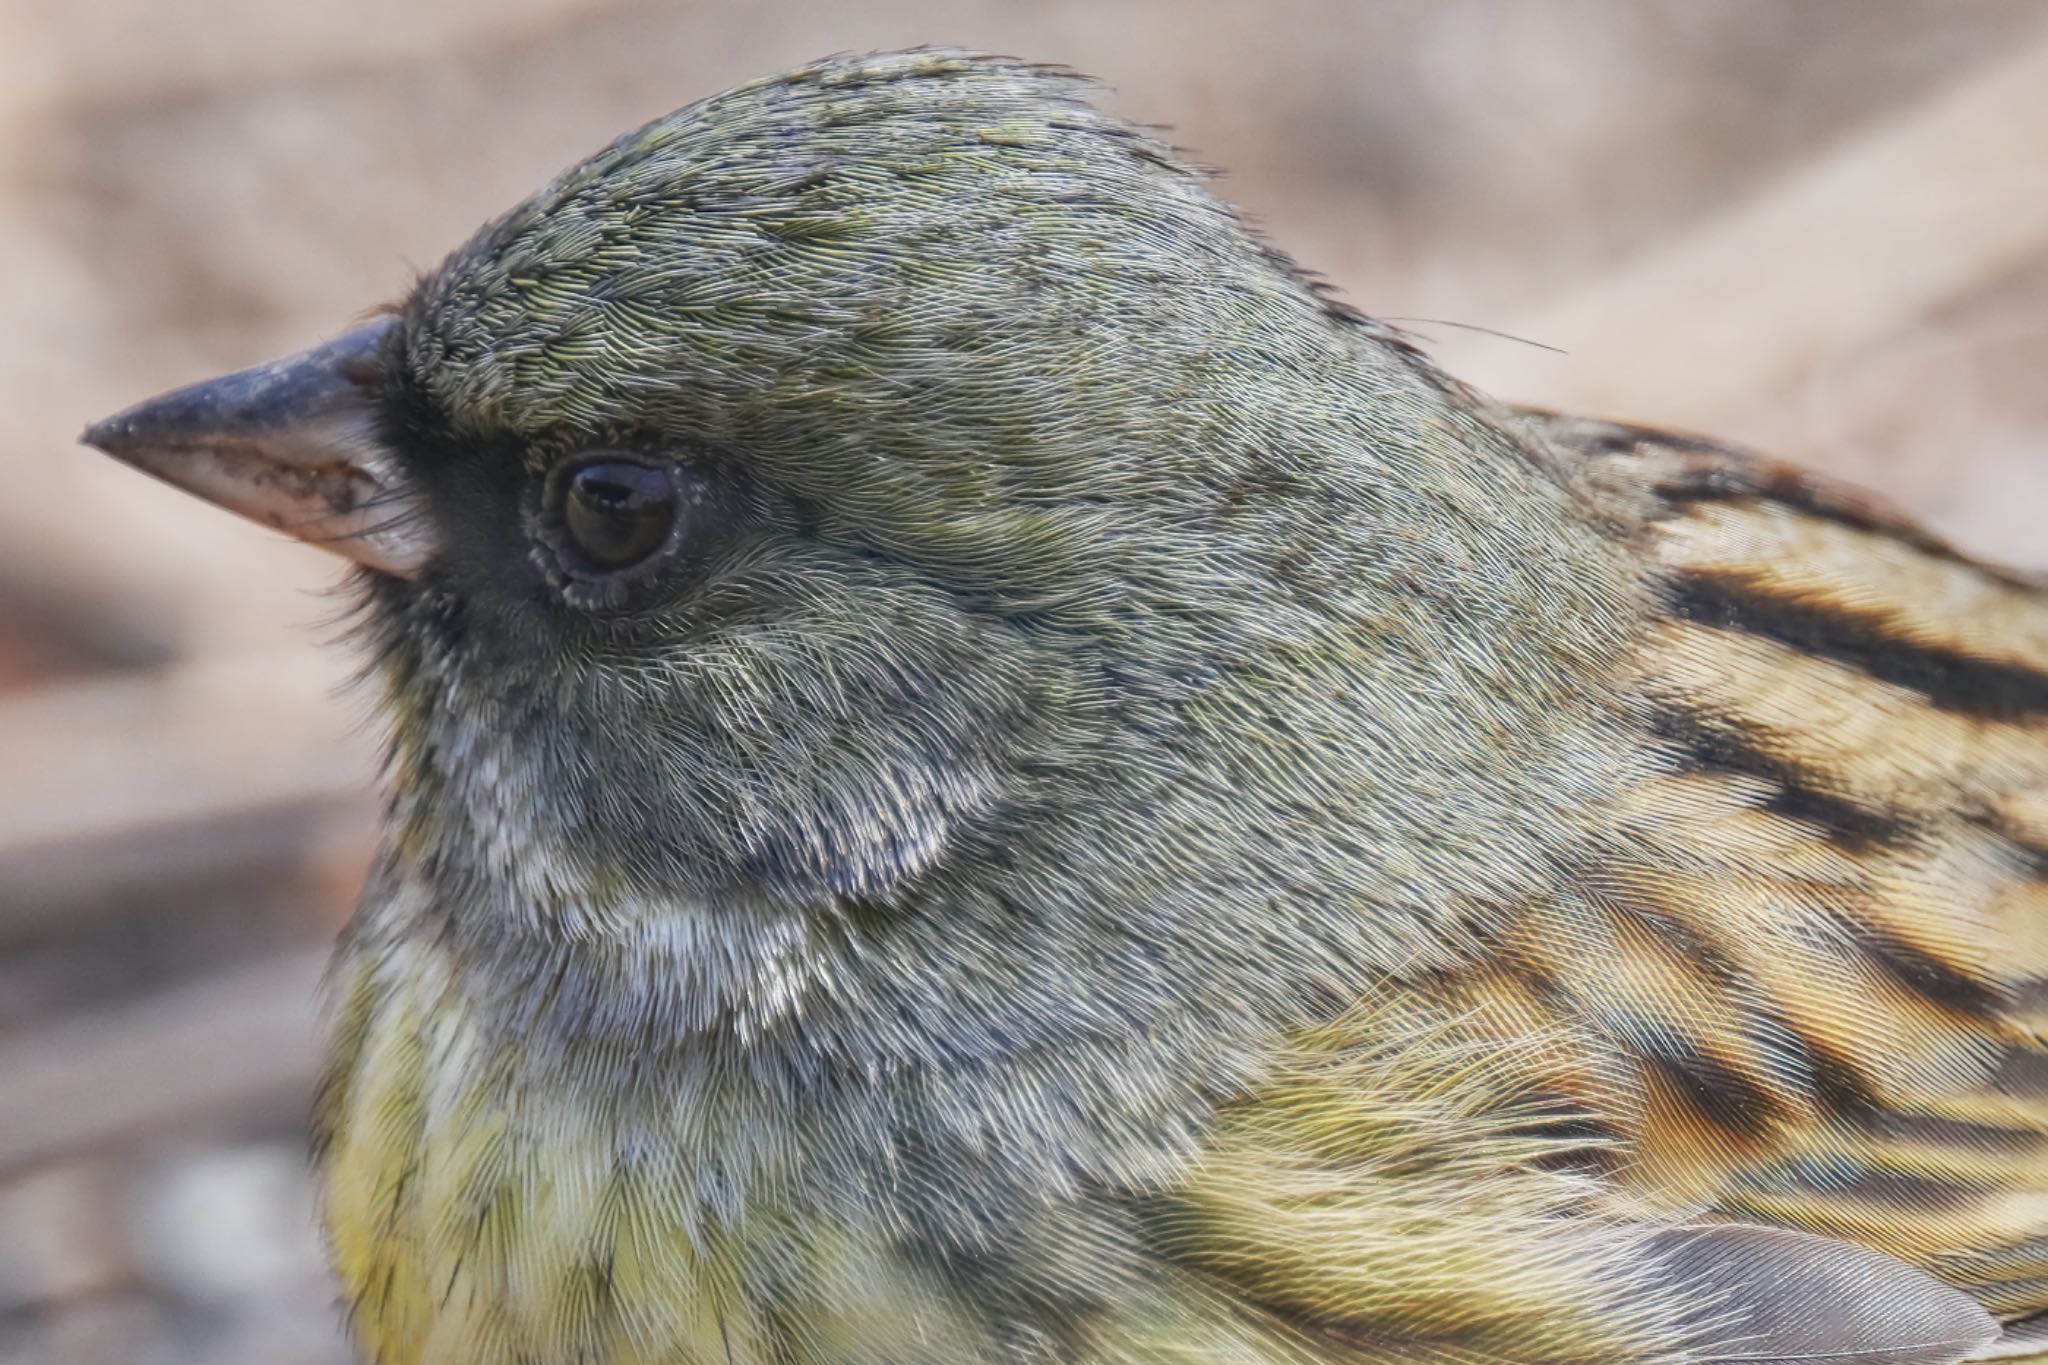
[2024,1339]
[1766,1296]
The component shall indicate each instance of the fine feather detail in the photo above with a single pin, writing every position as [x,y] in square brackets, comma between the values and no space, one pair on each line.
[1818,944]
[1794,987]
[1174,832]
[1772,1297]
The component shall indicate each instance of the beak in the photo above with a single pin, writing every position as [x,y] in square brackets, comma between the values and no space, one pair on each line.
[293,444]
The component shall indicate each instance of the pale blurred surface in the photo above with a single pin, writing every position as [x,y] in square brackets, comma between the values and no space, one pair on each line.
[1821,227]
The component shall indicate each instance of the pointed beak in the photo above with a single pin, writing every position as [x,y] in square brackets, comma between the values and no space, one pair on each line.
[293,444]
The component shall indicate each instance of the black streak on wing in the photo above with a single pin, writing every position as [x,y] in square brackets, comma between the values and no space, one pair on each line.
[1683,941]
[1743,1108]
[1925,975]
[1964,1135]
[2023,1074]
[1953,681]
[1737,479]
[2032,856]
[1736,1104]
[1900,1192]
[1796,794]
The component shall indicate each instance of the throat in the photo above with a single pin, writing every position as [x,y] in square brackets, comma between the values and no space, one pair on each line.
[623,974]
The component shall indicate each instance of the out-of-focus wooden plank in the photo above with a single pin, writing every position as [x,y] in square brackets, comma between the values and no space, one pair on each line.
[103,554]
[124,756]
[75,888]
[93,50]
[50,627]
[99,1329]
[1913,212]
[241,1037]
[59,1237]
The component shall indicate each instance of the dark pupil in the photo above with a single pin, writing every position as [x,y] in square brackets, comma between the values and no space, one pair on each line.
[619,513]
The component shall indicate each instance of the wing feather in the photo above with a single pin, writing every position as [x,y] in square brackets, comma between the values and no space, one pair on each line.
[1760,1074]
[1845,835]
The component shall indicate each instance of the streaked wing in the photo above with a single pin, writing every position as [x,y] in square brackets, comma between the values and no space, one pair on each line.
[1813,965]
[1760,1075]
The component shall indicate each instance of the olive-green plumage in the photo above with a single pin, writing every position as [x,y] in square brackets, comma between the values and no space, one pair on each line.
[1101,809]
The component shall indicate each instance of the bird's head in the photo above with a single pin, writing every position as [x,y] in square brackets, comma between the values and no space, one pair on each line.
[894,462]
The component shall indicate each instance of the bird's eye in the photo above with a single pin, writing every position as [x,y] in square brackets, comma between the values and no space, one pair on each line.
[618,512]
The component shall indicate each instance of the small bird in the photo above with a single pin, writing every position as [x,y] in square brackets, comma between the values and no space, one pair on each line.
[979,771]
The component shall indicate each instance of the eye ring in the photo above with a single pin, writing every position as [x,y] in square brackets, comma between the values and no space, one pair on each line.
[612,513]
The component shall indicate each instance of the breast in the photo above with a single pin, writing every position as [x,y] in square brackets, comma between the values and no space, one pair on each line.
[479,1215]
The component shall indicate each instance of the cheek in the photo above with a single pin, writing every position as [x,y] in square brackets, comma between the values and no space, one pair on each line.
[837,757]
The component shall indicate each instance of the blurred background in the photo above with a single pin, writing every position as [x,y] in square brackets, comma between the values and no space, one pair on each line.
[1818,227]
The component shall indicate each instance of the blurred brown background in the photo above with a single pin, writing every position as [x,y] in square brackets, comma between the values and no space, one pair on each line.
[1820,226]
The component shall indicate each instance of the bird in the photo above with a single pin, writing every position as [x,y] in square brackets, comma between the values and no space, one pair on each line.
[979,769]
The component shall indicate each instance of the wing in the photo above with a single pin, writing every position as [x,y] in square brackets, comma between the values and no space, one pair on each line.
[1816,961]
[1764,1075]
[1762,1078]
